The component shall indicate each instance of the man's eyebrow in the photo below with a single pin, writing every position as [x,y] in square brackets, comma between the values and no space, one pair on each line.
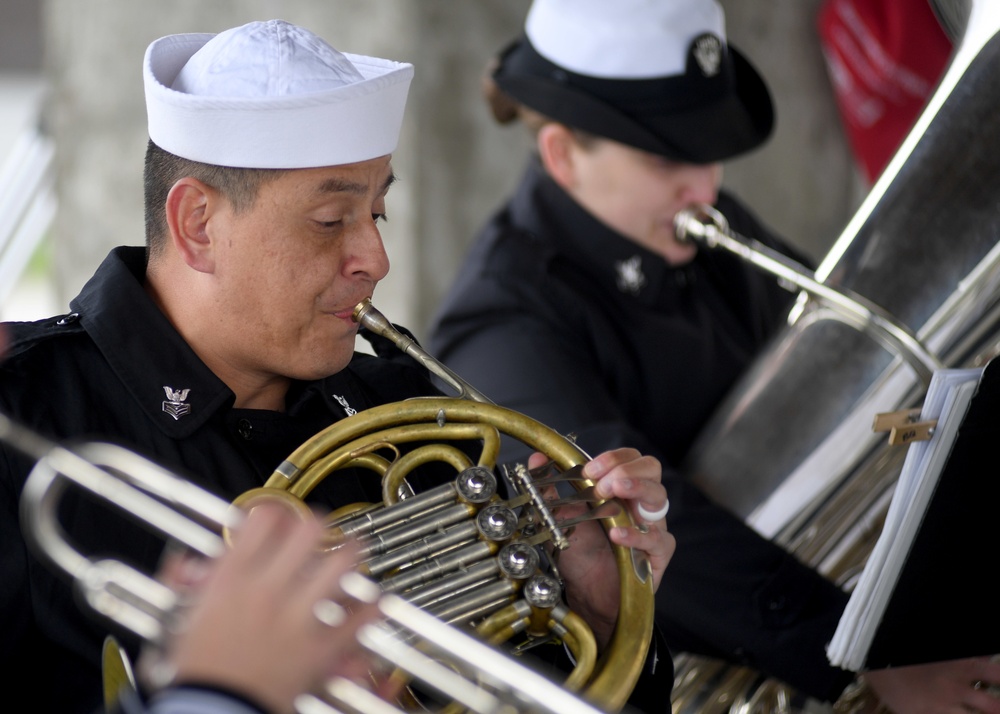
[339,185]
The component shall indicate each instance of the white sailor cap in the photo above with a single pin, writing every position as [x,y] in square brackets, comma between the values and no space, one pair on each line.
[271,95]
[627,39]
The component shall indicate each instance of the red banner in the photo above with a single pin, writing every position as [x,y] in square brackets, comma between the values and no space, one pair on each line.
[884,58]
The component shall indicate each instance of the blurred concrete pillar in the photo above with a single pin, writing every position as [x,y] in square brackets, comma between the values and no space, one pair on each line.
[454,163]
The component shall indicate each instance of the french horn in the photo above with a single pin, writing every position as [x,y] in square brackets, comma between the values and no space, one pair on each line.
[912,284]
[463,577]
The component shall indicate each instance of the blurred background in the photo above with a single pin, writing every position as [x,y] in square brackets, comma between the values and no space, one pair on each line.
[73,133]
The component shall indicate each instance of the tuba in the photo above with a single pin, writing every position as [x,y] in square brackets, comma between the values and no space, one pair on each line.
[463,578]
[912,284]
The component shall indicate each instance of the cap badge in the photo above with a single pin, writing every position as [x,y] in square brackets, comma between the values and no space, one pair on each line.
[630,277]
[175,405]
[707,51]
[348,409]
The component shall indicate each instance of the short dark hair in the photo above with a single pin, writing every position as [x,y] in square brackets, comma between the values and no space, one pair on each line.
[505,110]
[163,170]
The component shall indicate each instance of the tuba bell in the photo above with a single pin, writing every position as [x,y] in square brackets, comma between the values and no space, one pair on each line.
[463,577]
[920,261]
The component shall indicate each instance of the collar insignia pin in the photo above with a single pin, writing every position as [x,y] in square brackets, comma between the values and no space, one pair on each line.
[348,409]
[175,405]
[630,277]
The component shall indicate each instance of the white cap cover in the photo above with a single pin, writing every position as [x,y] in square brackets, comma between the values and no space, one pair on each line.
[271,95]
[585,36]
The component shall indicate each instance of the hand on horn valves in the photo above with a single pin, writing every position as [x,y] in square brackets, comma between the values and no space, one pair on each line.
[267,620]
[588,565]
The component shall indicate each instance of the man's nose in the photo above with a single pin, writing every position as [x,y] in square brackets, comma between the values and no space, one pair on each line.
[368,254]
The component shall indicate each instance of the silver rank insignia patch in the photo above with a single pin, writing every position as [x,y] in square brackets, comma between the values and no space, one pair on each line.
[348,409]
[175,405]
[630,278]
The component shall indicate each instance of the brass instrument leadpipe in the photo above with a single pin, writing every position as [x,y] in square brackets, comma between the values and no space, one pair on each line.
[707,226]
[368,316]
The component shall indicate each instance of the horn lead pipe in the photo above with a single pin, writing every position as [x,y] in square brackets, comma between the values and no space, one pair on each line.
[705,225]
[366,315]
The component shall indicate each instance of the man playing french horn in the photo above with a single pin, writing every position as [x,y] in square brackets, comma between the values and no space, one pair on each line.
[230,340]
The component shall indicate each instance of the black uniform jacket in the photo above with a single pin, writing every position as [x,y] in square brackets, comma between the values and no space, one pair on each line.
[557,316]
[114,369]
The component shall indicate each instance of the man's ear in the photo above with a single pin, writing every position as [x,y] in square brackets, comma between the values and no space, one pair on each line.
[555,148]
[190,205]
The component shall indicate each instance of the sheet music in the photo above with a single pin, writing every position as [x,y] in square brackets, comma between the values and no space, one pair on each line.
[947,401]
